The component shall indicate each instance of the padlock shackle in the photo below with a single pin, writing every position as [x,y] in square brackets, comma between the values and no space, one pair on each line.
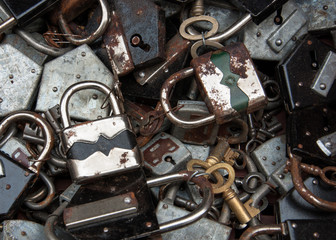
[65,117]
[18,116]
[165,95]
[105,19]
[199,212]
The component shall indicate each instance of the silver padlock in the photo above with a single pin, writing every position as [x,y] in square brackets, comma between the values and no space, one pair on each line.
[101,147]
[165,154]
[276,36]
[78,65]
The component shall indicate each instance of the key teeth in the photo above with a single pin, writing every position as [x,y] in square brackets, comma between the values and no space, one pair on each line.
[251,210]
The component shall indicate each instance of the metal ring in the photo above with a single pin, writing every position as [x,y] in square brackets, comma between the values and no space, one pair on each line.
[192,20]
[10,133]
[324,177]
[250,176]
[105,19]
[253,140]
[270,83]
[198,44]
[231,176]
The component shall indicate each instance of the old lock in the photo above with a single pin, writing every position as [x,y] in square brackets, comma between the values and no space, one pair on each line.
[227,81]
[101,147]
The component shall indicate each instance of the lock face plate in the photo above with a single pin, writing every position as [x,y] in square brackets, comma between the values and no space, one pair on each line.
[99,148]
[58,76]
[228,82]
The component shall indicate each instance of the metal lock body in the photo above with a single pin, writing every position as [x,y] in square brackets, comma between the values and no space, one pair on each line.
[204,135]
[165,154]
[304,131]
[321,14]
[198,152]
[76,66]
[144,26]
[272,41]
[228,82]
[307,74]
[20,77]
[98,148]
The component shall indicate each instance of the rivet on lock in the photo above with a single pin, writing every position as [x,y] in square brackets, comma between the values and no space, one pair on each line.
[98,148]
[227,81]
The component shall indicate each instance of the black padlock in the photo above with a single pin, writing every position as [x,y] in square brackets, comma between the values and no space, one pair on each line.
[24,12]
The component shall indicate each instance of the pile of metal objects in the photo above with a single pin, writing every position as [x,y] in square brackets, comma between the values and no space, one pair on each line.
[168,119]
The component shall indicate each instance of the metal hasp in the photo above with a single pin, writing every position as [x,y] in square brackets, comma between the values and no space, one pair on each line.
[228,82]
[165,154]
[14,186]
[311,229]
[307,126]
[328,144]
[326,75]
[299,70]
[204,135]
[120,207]
[78,65]
[144,26]
[272,41]
[25,12]
[293,206]
[20,77]
[320,14]
[259,9]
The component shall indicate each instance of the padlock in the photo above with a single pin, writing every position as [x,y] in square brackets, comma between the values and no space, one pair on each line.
[307,74]
[20,77]
[198,152]
[23,13]
[273,39]
[204,135]
[165,154]
[110,141]
[227,82]
[78,65]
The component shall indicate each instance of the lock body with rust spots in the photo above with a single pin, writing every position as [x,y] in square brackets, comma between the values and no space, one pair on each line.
[102,147]
[228,82]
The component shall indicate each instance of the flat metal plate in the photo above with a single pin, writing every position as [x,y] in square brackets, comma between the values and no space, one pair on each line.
[328,144]
[80,64]
[19,79]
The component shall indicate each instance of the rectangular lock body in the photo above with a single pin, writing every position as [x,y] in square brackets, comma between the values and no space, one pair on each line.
[101,148]
[204,135]
[228,82]
[299,71]
[15,183]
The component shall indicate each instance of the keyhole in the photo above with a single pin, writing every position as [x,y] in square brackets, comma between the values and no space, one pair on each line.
[170,160]
[278,18]
[136,41]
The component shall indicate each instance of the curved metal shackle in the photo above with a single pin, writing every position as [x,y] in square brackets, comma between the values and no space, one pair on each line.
[199,212]
[42,123]
[165,95]
[105,19]
[65,117]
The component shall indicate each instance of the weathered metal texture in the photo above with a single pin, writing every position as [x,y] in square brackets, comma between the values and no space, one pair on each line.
[117,47]
[142,223]
[328,144]
[293,206]
[216,86]
[165,154]
[21,45]
[202,229]
[21,229]
[297,72]
[198,152]
[58,76]
[190,110]
[321,14]
[259,10]
[303,131]
[143,19]
[271,41]
[14,187]
[255,231]
[20,77]
[176,53]
[16,149]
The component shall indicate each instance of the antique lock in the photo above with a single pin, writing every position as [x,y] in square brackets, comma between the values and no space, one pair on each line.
[109,141]
[78,65]
[307,74]
[23,13]
[228,83]
[165,154]
[204,135]
[271,39]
